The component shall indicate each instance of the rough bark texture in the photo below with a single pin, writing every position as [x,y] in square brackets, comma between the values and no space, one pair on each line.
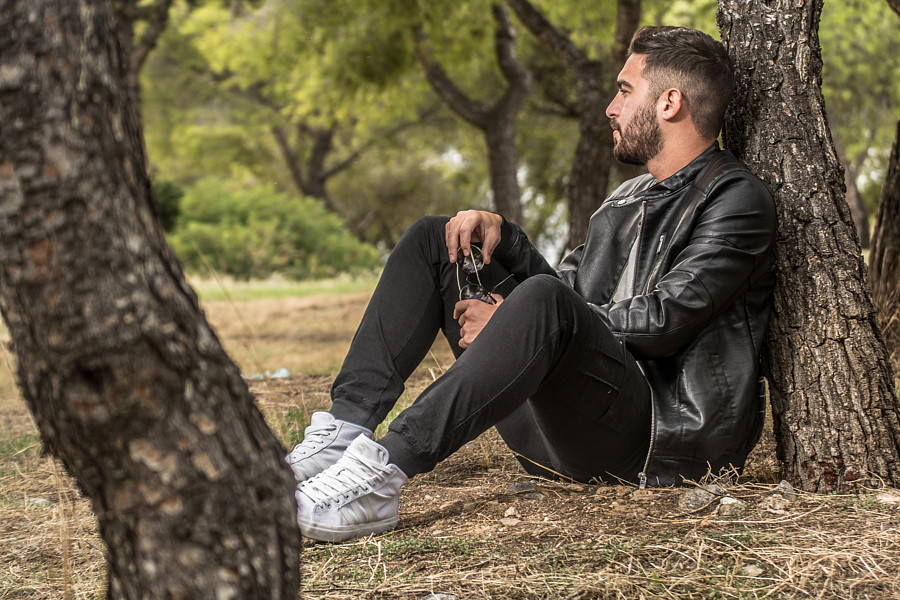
[128,384]
[497,121]
[151,19]
[593,161]
[833,400]
[884,259]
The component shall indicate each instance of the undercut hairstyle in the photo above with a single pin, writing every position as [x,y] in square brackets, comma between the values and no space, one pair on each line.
[692,62]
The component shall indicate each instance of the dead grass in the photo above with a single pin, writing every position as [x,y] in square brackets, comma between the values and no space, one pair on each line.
[464,529]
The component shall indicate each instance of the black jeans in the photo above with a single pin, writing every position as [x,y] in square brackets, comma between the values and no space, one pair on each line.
[563,392]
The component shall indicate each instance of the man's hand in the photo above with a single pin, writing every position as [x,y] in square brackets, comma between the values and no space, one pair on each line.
[473,315]
[473,226]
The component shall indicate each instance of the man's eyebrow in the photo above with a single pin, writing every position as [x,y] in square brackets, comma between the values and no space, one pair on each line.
[624,84]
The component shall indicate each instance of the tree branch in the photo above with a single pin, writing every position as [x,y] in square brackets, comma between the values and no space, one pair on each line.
[513,70]
[627,21]
[895,5]
[157,17]
[474,112]
[559,44]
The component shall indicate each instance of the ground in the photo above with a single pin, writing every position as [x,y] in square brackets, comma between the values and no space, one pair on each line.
[477,526]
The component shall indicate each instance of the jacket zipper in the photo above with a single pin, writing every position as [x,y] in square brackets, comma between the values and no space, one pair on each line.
[642,476]
[637,242]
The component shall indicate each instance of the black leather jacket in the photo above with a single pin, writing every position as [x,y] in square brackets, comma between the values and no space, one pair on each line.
[701,278]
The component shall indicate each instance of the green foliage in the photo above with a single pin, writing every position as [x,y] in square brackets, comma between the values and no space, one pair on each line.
[861,52]
[167,196]
[253,232]
[224,76]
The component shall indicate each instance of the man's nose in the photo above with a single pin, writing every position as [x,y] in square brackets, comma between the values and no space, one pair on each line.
[613,109]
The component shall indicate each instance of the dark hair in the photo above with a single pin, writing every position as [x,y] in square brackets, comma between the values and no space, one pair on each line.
[692,62]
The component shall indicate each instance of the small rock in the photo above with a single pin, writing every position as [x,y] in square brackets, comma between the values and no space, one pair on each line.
[697,498]
[439,597]
[890,497]
[533,496]
[785,489]
[621,491]
[510,522]
[575,487]
[469,506]
[752,571]
[775,502]
[522,487]
[39,501]
[511,512]
[730,507]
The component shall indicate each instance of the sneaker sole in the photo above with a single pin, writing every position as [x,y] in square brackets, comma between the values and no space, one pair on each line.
[338,533]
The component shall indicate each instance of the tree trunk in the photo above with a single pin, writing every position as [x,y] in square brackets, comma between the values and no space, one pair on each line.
[153,18]
[128,384]
[497,121]
[593,161]
[884,259]
[833,401]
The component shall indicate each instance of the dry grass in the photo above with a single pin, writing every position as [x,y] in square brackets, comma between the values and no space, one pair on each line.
[464,530]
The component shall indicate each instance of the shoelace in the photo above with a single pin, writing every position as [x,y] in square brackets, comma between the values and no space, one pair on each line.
[343,480]
[312,441]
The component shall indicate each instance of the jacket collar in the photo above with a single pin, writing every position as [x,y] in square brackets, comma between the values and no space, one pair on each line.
[686,175]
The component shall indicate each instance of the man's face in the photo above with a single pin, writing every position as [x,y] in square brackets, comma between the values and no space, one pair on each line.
[632,114]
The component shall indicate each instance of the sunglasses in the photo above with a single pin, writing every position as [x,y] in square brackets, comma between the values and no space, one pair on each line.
[472,265]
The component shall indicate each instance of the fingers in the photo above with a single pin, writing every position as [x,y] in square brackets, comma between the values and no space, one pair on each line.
[459,308]
[473,316]
[470,226]
[490,235]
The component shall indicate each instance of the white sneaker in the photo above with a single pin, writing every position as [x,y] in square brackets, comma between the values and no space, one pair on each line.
[324,441]
[357,496]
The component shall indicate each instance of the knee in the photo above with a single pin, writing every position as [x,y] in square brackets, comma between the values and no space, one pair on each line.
[426,232]
[542,286]
[542,293]
[428,226]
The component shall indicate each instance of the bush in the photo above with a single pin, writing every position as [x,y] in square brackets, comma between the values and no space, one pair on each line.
[167,196]
[255,232]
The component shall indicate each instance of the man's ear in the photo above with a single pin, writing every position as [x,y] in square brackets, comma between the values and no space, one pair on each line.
[671,104]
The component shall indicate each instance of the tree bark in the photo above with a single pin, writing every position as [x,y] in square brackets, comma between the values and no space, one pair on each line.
[834,407]
[593,161]
[884,258]
[154,17]
[128,384]
[498,121]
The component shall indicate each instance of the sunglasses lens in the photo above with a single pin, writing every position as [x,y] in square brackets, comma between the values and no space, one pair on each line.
[472,263]
[475,292]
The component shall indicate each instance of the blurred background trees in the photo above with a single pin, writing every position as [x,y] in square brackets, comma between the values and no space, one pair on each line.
[303,101]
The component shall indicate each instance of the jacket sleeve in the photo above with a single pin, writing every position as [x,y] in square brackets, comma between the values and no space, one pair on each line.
[517,254]
[729,250]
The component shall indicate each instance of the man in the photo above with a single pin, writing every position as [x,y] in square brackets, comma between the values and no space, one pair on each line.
[636,359]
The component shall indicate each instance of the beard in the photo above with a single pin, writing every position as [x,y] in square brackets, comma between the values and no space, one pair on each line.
[640,140]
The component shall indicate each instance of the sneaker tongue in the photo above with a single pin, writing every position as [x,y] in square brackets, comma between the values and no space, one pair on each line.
[320,419]
[367,451]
